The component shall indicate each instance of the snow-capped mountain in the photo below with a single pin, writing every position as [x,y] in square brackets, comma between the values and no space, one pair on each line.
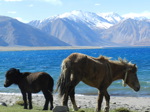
[80,28]
[112,17]
[89,18]
[76,28]
[134,16]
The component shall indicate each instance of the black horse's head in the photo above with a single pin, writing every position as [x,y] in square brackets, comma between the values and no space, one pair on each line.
[11,77]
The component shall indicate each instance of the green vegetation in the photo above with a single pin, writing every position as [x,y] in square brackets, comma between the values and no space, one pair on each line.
[116,110]
[18,108]
[122,110]
[20,102]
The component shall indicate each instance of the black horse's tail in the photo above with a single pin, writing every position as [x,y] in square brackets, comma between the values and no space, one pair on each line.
[64,80]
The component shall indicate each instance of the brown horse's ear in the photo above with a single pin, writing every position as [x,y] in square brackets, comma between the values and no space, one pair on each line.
[134,65]
[128,68]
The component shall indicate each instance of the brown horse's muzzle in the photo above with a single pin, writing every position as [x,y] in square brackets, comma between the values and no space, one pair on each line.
[137,89]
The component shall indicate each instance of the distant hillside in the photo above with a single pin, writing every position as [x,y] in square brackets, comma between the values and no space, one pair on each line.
[76,28]
[74,33]
[15,33]
[129,32]
[80,28]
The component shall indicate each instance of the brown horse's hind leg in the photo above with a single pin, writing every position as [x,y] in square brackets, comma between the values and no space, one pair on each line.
[72,97]
[107,97]
[65,99]
[99,101]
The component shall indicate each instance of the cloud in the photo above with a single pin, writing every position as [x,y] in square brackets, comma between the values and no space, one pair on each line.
[54,2]
[30,5]
[142,14]
[97,4]
[21,20]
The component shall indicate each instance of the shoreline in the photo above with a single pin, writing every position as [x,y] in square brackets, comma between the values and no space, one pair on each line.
[20,48]
[140,104]
[31,48]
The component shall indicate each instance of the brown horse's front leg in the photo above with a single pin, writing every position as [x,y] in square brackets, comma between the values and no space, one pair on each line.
[30,100]
[99,101]
[107,98]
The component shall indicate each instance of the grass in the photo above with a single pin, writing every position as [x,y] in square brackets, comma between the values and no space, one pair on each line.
[18,108]
[116,110]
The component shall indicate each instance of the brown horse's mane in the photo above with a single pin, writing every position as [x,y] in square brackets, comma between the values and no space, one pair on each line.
[104,58]
[119,61]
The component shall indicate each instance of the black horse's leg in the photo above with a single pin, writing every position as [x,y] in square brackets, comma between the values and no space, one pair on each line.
[72,97]
[51,100]
[99,100]
[47,99]
[24,99]
[107,97]
[30,100]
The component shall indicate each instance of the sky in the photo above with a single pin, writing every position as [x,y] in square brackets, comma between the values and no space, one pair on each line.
[28,10]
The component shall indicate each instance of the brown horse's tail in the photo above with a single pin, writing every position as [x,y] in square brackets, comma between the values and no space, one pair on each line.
[64,79]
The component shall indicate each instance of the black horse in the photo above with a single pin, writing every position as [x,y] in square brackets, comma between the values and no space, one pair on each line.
[31,83]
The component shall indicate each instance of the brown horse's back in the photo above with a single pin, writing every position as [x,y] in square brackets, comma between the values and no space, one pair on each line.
[87,69]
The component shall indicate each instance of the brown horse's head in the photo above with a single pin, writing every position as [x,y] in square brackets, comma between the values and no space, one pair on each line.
[131,78]
[11,77]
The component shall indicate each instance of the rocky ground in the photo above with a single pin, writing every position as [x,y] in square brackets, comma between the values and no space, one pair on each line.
[140,104]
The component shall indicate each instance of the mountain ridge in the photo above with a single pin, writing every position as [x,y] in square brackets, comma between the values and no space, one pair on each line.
[76,28]
[98,25]
[15,33]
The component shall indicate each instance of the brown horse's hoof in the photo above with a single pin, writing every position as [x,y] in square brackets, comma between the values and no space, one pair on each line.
[106,109]
[97,110]
[76,108]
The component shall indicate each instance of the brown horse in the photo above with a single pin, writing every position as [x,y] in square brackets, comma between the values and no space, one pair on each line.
[96,72]
[31,83]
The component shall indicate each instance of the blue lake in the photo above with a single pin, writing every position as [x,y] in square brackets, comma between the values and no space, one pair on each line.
[50,61]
